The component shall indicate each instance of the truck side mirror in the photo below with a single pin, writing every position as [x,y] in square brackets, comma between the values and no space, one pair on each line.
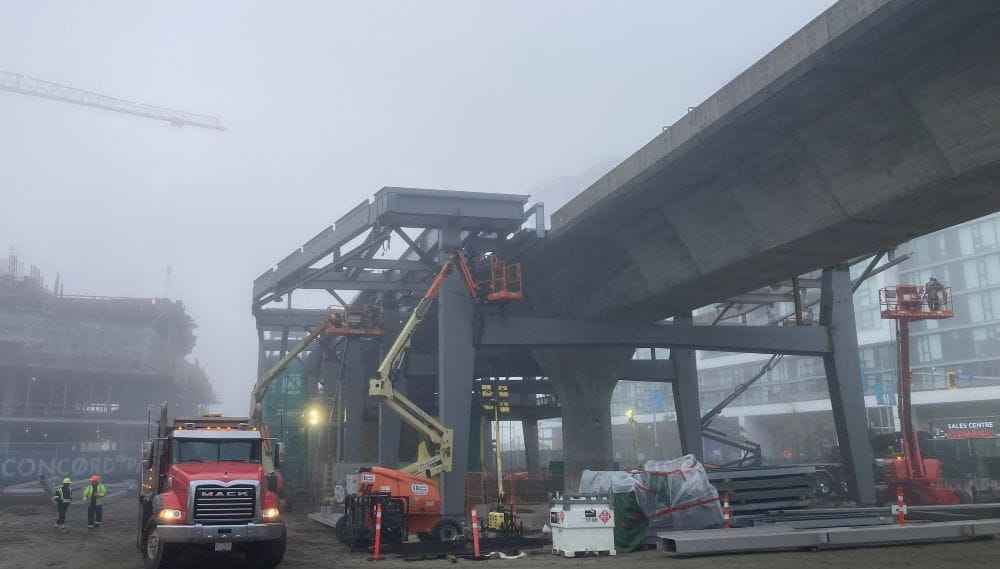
[278,459]
[147,455]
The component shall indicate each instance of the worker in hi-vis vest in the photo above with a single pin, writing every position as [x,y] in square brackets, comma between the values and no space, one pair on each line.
[93,496]
[62,497]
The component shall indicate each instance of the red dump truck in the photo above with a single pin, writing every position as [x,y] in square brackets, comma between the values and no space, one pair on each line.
[204,486]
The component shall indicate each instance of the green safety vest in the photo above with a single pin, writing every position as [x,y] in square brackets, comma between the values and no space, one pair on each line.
[89,491]
[63,495]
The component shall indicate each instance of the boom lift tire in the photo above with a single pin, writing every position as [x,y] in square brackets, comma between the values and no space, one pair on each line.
[446,530]
[156,554]
[265,554]
[340,530]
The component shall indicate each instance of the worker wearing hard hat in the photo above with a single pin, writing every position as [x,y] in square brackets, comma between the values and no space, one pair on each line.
[62,497]
[93,496]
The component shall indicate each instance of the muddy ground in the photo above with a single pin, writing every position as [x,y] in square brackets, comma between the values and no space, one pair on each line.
[27,541]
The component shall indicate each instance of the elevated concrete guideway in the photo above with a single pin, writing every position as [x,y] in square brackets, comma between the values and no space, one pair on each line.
[877,122]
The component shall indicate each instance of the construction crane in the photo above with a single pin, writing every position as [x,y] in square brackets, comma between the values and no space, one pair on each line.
[38,88]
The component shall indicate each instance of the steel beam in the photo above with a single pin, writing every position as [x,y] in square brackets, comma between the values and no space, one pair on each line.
[545,332]
[388,265]
[474,211]
[638,370]
[363,281]
[650,370]
[294,318]
[843,377]
[761,298]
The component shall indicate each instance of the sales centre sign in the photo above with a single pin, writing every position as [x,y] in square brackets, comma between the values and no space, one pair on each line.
[971,429]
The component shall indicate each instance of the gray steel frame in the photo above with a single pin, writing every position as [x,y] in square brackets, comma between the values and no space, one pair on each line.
[834,340]
[348,247]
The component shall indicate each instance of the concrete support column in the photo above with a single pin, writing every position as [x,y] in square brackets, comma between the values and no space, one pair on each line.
[584,381]
[456,367]
[687,403]
[843,377]
[529,429]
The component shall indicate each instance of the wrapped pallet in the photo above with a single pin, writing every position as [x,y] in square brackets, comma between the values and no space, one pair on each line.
[674,494]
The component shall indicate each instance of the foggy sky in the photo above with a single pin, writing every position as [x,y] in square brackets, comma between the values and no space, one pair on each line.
[325,103]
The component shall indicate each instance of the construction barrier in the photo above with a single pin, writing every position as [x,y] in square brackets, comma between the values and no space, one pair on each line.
[378,530]
[475,533]
[899,508]
[726,517]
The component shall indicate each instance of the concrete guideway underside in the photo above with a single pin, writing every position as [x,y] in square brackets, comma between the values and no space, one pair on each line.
[877,122]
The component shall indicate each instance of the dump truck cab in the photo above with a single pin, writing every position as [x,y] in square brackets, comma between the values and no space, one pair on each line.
[204,486]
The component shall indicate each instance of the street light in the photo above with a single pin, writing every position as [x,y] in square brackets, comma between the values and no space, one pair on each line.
[313,416]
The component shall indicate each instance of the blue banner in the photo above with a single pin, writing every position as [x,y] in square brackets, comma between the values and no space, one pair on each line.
[27,466]
[879,391]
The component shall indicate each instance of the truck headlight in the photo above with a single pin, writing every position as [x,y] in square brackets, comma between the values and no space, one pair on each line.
[271,513]
[169,515]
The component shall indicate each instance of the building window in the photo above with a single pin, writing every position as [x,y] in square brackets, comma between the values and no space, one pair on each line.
[929,348]
[869,319]
[809,367]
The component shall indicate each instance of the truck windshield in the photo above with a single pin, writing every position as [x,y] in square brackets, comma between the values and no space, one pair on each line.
[215,451]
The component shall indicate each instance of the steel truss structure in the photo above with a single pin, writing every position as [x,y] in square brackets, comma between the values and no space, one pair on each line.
[481,343]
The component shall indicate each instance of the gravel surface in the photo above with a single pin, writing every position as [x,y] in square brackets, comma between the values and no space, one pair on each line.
[27,541]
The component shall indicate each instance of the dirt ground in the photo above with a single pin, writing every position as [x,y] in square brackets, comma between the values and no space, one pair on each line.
[27,541]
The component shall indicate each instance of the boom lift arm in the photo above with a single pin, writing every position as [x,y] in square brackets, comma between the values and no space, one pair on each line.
[360,322]
[381,386]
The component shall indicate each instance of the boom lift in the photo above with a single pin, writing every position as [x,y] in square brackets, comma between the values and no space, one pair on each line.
[360,322]
[411,494]
[918,477]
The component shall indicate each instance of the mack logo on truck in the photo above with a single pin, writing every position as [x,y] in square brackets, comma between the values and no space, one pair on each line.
[224,493]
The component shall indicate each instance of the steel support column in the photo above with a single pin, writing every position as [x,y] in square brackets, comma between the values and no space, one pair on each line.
[361,365]
[261,354]
[390,425]
[456,366]
[687,404]
[529,429]
[843,376]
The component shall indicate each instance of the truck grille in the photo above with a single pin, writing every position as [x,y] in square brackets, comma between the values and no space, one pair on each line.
[216,504]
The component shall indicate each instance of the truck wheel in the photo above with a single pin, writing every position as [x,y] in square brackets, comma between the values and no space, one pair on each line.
[446,530]
[266,554]
[140,532]
[155,553]
[341,530]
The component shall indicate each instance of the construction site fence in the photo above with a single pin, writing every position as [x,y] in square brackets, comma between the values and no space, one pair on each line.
[520,486]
